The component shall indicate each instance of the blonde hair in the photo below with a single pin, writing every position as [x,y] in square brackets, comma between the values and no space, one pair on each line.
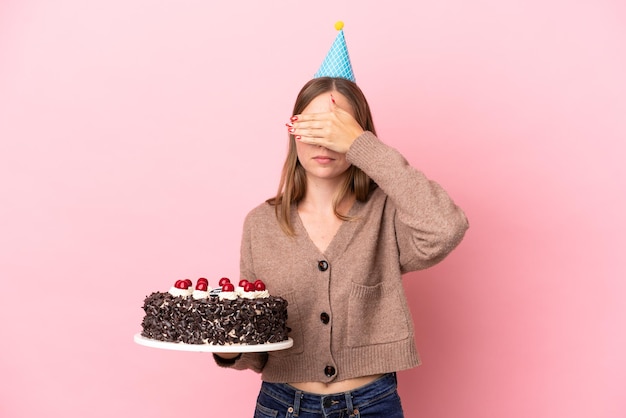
[292,185]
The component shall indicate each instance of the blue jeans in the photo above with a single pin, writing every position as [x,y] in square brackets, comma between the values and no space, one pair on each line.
[376,399]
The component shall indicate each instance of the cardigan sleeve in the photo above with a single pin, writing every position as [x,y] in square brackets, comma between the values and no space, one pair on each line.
[253,361]
[429,225]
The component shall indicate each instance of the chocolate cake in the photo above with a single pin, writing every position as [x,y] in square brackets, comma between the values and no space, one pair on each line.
[221,316]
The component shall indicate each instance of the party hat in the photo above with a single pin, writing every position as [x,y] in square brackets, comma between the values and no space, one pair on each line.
[337,61]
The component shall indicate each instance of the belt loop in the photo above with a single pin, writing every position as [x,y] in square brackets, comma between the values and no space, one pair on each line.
[349,406]
[296,403]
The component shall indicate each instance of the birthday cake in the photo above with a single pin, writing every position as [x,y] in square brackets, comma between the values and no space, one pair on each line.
[246,314]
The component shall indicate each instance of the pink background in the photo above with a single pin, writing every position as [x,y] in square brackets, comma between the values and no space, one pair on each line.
[136,134]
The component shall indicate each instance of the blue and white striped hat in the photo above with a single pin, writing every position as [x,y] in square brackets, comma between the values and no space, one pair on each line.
[337,61]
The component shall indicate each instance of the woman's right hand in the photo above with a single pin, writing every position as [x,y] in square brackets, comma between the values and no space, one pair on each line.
[228,356]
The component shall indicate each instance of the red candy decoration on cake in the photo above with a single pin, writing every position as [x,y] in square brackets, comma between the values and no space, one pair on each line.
[182,284]
[226,289]
[182,288]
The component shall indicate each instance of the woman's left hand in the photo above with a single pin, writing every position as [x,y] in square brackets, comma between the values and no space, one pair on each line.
[335,130]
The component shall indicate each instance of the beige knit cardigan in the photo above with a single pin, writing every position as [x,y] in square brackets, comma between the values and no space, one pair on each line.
[351,318]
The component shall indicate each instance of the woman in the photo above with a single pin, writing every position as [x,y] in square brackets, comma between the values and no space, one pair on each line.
[350,217]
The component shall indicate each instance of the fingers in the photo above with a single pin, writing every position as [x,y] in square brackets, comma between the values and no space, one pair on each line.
[335,130]
[318,126]
[310,117]
[309,133]
[314,136]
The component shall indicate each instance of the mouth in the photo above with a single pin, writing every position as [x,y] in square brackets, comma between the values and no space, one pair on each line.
[323,159]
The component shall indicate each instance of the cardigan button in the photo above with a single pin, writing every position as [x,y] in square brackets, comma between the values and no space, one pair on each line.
[324,317]
[322,265]
[329,371]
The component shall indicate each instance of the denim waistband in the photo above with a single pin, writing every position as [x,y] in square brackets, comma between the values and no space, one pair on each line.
[311,402]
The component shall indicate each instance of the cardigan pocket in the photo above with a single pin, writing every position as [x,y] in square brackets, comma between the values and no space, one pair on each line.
[376,315]
[294,322]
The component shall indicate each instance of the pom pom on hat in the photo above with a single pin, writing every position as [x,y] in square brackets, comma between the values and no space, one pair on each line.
[337,61]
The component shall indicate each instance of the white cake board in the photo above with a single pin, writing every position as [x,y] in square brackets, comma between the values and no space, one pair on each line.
[213,348]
